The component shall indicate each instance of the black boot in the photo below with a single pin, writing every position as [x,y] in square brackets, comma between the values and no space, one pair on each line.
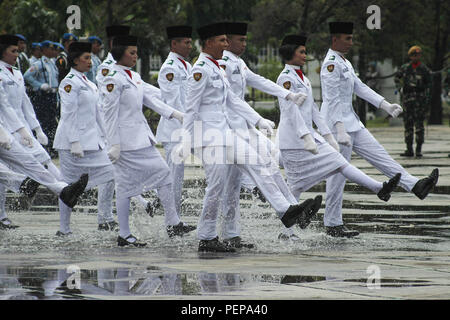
[341,231]
[423,187]
[179,229]
[238,243]
[214,245]
[409,151]
[29,187]
[294,212]
[5,223]
[258,194]
[130,240]
[305,219]
[70,194]
[389,186]
[419,150]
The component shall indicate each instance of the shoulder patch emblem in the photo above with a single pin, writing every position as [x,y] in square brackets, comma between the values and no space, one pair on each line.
[110,87]
[201,63]
[286,72]
[70,76]
[332,58]
[224,67]
[330,68]
[105,72]
[68,88]
[169,76]
[197,76]
[225,58]
[170,62]
[287,85]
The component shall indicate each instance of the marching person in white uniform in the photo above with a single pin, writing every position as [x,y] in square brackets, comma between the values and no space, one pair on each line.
[308,157]
[80,137]
[239,76]
[339,82]
[208,131]
[138,165]
[101,72]
[172,81]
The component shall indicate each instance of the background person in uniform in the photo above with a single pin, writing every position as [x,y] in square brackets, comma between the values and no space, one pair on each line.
[61,60]
[97,46]
[414,80]
[42,76]
[339,81]
[80,138]
[23,63]
[172,81]
[308,157]
[35,53]
[207,129]
[240,76]
[138,165]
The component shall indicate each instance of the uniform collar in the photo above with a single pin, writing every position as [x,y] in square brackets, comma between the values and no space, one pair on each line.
[10,74]
[231,55]
[339,54]
[207,58]
[4,64]
[110,57]
[122,69]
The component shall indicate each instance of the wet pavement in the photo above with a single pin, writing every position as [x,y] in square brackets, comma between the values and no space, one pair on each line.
[403,251]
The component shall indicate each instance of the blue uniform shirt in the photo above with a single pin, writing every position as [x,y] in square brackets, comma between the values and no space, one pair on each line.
[42,71]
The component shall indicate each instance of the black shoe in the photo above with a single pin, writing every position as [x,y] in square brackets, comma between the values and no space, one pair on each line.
[6,224]
[389,186]
[408,153]
[341,232]
[423,187]
[213,245]
[130,240]
[285,237]
[419,150]
[258,194]
[237,243]
[296,211]
[108,226]
[70,194]
[29,187]
[305,219]
[179,229]
[62,234]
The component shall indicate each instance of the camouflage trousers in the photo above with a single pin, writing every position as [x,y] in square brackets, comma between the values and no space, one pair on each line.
[414,113]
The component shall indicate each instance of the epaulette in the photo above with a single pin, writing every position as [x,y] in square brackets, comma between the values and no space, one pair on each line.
[200,64]
[170,62]
[225,58]
[112,74]
[70,76]
[333,57]
[286,72]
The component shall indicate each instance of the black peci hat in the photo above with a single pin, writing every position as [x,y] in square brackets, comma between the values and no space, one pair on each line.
[341,27]
[212,30]
[125,41]
[117,30]
[179,32]
[80,47]
[294,39]
[239,28]
[9,39]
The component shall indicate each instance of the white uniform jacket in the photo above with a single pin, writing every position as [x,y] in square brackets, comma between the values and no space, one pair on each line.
[122,101]
[8,117]
[104,69]
[172,80]
[14,87]
[80,118]
[210,100]
[239,76]
[339,82]
[297,121]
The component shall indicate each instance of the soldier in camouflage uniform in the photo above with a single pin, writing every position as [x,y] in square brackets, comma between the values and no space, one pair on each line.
[414,81]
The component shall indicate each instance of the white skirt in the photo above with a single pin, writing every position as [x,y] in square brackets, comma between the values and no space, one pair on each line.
[304,169]
[141,170]
[95,163]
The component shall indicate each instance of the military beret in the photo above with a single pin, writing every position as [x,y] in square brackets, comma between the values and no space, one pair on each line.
[212,30]
[91,39]
[58,45]
[21,37]
[341,27]
[70,36]
[414,49]
[294,39]
[179,32]
[35,45]
[9,39]
[117,30]
[239,28]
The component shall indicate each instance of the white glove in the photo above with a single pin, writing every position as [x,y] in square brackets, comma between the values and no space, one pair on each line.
[76,149]
[266,125]
[41,137]
[342,135]
[114,153]
[5,139]
[297,98]
[309,144]
[331,141]
[45,87]
[25,137]
[392,109]
[177,115]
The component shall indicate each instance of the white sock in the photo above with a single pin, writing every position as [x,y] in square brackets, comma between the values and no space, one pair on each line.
[355,175]
[64,217]
[2,201]
[104,202]
[168,202]
[123,213]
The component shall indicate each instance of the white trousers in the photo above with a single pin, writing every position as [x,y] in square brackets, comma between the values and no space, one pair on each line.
[367,147]
[177,170]
[10,179]
[217,187]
